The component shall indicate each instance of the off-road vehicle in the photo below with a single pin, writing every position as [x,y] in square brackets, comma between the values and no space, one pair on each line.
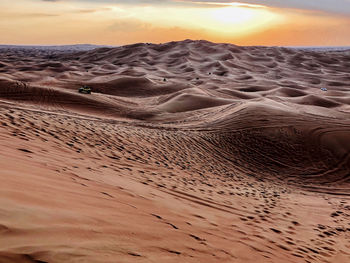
[85,90]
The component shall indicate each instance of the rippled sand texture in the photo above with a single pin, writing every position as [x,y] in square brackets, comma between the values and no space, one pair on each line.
[185,152]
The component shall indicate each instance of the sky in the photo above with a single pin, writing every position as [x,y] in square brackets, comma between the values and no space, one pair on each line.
[112,22]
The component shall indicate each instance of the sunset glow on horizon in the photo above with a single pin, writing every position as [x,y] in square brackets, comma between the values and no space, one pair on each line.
[124,22]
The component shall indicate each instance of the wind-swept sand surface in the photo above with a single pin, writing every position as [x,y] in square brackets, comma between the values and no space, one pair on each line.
[184,152]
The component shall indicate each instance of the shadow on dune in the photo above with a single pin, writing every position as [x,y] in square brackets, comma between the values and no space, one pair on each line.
[68,100]
[299,149]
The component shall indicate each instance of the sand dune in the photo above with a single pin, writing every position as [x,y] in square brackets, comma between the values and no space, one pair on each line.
[185,152]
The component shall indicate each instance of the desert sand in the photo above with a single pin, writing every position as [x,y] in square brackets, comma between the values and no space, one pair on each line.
[185,152]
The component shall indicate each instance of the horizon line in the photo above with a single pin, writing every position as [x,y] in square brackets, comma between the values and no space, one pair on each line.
[108,45]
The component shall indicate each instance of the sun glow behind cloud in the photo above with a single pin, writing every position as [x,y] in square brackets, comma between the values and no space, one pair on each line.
[123,22]
[241,20]
[239,4]
[232,19]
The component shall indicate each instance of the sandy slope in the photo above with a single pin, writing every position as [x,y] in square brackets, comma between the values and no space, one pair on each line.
[185,152]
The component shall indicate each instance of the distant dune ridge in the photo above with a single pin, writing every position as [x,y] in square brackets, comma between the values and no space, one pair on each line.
[186,151]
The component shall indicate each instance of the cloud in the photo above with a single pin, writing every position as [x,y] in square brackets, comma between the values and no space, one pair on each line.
[89,11]
[333,6]
[115,1]
[341,6]
[38,15]
[22,15]
[129,26]
[219,3]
